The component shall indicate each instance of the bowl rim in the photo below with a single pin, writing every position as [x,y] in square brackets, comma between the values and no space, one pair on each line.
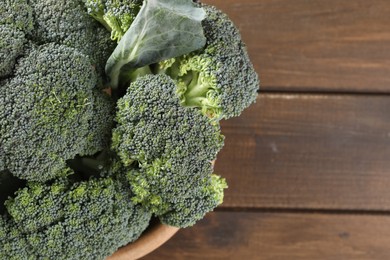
[153,237]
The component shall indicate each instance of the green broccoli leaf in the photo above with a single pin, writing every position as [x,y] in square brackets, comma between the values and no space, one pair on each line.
[163,29]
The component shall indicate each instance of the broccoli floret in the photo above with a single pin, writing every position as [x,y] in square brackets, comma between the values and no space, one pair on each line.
[180,191]
[115,15]
[2,159]
[50,112]
[63,22]
[220,79]
[12,43]
[16,20]
[68,23]
[65,220]
[173,147]
[151,123]
[103,49]
[18,14]
[13,244]
[199,200]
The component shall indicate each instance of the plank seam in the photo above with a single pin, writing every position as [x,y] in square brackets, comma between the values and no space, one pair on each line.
[305,211]
[329,93]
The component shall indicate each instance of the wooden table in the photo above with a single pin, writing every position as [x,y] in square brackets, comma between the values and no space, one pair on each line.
[308,165]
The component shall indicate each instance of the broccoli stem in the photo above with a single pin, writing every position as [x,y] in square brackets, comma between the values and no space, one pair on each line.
[101,20]
[196,90]
[127,78]
[195,102]
[172,71]
[134,75]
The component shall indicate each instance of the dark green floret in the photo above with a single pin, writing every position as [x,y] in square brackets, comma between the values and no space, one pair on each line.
[13,243]
[51,112]
[219,79]
[200,199]
[16,20]
[66,220]
[68,23]
[173,147]
[12,43]
[152,123]
[18,14]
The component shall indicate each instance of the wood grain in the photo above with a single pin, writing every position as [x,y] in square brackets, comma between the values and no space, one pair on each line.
[274,236]
[316,45]
[309,151]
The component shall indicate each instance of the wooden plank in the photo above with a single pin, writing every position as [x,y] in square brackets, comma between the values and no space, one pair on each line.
[273,236]
[334,45]
[309,151]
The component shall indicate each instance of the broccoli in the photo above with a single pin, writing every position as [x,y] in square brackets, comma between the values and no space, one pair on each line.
[2,158]
[173,147]
[18,14]
[115,15]
[219,79]
[63,22]
[102,50]
[152,123]
[67,220]
[15,21]
[50,108]
[67,23]
[11,46]
[78,181]
[196,202]
[13,244]
[36,22]
[50,111]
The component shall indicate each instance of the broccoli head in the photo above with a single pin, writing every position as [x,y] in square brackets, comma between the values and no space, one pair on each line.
[152,123]
[12,43]
[115,15]
[180,191]
[16,20]
[196,202]
[172,147]
[219,79]
[18,14]
[68,23]
[2,159]
[50,111]
[13,243]
[63,22]
[66,220]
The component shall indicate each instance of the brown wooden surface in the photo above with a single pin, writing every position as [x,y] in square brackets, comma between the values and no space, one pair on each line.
[275,236]
[309,151]
[333,45]
[308,166]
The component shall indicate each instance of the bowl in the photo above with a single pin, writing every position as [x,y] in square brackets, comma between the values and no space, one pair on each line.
[153,237]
